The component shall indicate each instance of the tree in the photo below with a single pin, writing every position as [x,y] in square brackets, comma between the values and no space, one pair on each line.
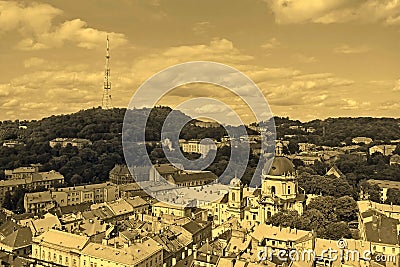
[346,209]
[7,202]
[393,196]
[285,219]
[337,230]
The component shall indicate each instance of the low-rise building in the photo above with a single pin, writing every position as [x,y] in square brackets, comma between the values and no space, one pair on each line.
[306,147]
[59,247]
[42,224]
[76,142]
[12,143]
[196,146]
[384,185]
[161,208]
[180,177]
[385,150]
[382,232]
[361,140]
[35,180]
[395,160]
[38,202]
[92,193]
[145,253]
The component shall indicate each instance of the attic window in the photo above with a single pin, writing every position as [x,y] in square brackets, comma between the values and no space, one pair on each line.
[273,167]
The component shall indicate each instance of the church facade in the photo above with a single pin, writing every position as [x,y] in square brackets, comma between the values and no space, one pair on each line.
[279,192]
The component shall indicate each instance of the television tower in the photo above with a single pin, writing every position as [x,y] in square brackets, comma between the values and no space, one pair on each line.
[106,102]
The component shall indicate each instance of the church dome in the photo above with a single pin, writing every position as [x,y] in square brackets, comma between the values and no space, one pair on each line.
[279,166]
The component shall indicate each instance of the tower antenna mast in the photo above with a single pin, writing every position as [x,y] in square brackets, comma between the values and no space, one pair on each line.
[106,102]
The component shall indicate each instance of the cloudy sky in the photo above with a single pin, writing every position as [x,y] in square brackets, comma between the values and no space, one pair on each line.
[311,58]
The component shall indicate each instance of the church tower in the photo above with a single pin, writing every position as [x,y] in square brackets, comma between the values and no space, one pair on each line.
[236,200]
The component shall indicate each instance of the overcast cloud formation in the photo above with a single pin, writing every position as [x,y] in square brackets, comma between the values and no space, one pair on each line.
[311,59]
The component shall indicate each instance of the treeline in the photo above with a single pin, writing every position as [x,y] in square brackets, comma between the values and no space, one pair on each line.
[334,131]
[328,217]
[93,163]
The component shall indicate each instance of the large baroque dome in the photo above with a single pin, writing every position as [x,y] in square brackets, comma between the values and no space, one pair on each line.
[279,166]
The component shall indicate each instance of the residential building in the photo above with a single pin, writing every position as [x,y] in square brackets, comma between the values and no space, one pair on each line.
[306,147]
[17,242]
[34,180]
[42,224]
[75,142]
[361,140]
[382,232]
[145,253]
[384,185]
[179,177]
[12,143]
[21,172]
[38,202]
[385,150]
[275,237]
[395,160]
[196,146]
[92,193]
[59,247]
[161,208]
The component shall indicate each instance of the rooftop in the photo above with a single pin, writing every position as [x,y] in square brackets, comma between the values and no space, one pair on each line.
[20,238]
[64,239]
[278,233]
[131,255]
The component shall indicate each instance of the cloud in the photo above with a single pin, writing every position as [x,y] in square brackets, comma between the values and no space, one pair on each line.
[202,27]
[211,108]
[33,62]
[396,87]
[386,12]
[304,59]
[35,23]
[271,43]
[346,49]
[307,90]
[291,11]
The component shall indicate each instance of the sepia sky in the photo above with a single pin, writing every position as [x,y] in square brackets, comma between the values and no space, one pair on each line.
[311,58]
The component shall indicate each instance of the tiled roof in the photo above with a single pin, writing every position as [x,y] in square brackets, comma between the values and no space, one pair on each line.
[382,229]
[193,176]
[19,238]
[63,239]
[8,227]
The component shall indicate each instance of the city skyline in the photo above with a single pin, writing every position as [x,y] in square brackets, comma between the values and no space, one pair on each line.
[310,59]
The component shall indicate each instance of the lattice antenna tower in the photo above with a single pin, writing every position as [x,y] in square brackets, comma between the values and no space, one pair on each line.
[106,102]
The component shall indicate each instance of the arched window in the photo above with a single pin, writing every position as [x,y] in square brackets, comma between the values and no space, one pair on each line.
[233,196]
[273,190]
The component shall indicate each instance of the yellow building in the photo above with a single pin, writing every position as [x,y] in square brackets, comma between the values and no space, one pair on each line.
[59,247]
[162,208]
[140,254]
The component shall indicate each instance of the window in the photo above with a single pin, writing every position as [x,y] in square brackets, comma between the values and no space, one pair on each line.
[60,259]
[273,190]
[233,196]
[288,189]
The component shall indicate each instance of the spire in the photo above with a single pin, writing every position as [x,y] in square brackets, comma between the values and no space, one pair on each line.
[106,102]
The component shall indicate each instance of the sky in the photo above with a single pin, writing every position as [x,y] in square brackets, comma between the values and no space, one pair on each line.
[310,58]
